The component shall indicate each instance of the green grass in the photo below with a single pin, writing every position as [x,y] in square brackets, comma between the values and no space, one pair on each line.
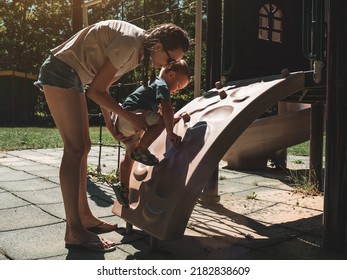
[20,138]
[40,138]
[303,182]
[302,149]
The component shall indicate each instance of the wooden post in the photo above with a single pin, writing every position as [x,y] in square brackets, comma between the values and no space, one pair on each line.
[335,195]
[213,74]
[76,14]
[213,45]
[209,194]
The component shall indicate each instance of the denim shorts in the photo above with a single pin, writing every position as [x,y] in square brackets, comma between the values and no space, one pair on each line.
[57,73]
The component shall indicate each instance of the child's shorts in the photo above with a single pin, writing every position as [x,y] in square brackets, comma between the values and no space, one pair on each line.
[126,128]
[57,73]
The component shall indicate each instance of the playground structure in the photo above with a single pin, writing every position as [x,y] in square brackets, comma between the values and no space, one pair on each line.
[162,206]
[18,97]
[272,39]
[265,139]
[261,38]
[270,49]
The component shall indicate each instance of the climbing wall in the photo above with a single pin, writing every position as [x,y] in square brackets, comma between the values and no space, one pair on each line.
[162,197]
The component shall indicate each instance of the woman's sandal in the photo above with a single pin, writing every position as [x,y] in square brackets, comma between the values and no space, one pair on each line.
[96,246]
[146,157]
[120,191]
[102,227]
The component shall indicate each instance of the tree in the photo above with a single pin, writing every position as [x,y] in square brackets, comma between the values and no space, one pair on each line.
[29,29]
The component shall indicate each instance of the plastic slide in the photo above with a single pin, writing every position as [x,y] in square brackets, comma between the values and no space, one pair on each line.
[163,197]
[264,139]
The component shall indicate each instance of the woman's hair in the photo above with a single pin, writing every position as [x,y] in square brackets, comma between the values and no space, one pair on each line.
[170,36]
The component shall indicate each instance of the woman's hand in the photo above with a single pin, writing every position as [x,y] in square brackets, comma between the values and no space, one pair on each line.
[110,125]
[116,135]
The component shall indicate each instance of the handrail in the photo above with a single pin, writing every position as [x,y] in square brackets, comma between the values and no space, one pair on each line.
[313,29]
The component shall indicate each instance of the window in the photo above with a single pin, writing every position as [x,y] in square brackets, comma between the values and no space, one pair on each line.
[270,23]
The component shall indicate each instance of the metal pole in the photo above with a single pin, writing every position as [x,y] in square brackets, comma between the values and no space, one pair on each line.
[118,159]
[198,40]
[100,143]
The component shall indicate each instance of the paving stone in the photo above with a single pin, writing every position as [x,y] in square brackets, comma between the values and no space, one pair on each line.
[24,217]
[9,200]
[278,223]
[44,196]
[6,158]
[8,175]
[43,171]
[19,164]
[281,214]
[32,184]
[54,209]
[38,242]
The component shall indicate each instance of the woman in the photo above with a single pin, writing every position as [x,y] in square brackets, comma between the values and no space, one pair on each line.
[97,56]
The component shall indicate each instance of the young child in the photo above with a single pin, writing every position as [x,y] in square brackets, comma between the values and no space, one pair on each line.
[155,103]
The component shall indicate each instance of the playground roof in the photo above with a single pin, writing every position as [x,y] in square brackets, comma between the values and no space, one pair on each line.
[17,74]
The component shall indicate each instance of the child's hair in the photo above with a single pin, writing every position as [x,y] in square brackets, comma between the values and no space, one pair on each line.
[170,36]
[179,67]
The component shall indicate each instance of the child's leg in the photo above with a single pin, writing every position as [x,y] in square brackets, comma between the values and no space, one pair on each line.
[121,188]
[141,152]
[125,168]
[151,134]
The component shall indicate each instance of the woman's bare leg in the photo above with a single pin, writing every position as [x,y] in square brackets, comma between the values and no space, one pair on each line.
[87,217]
[68,112]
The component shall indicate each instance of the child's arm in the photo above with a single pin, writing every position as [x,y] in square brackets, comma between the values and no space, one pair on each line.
[168,118]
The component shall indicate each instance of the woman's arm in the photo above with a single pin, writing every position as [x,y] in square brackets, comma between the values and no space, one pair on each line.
[98,92]
[109,125]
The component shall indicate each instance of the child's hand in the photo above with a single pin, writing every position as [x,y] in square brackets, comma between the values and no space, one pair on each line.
[176,119]
[175,140]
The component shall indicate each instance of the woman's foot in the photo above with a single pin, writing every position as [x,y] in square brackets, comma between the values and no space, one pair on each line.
[96,225]
[101,245]
[102,227]
[80,238]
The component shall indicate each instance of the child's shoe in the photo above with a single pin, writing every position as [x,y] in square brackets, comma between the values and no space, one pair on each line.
[146,157]
[121,193]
